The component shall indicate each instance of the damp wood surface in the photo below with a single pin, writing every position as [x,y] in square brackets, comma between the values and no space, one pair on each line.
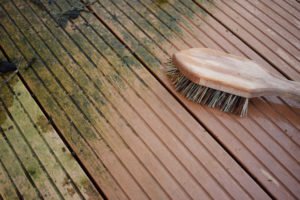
[95,117]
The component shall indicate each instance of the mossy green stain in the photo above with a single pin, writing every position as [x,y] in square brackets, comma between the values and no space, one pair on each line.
[44,124]
[161,2]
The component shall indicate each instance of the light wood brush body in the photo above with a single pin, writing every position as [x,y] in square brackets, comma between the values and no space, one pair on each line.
[225,81]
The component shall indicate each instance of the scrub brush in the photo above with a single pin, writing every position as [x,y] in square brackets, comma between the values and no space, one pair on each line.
[224,81]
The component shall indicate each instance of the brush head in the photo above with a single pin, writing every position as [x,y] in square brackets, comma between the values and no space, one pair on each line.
[217,79]
[224,101]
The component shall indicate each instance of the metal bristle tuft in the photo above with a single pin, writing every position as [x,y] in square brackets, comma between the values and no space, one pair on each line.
[226,102]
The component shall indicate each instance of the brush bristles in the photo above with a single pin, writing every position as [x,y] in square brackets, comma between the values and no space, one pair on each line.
[226,102]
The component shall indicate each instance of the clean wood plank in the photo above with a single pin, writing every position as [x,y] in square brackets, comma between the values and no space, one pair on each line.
[255,37]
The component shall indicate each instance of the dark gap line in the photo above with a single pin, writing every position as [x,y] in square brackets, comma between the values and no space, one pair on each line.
[181,25]
[164,23]
[134,110]
[99,112]
[294,6]
[128,30]
[259,160]
[238,49]
[157,32]
[266,149]
[281,113]
[161,21]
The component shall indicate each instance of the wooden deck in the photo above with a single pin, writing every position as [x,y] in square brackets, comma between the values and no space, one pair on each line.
[95,117]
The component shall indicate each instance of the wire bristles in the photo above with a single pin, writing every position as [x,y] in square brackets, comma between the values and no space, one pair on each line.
[226,102]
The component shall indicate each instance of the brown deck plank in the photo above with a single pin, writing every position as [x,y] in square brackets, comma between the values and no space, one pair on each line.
[268,13]
[258,39]
[277,33]
[251,143]
[292,7]
[289,20]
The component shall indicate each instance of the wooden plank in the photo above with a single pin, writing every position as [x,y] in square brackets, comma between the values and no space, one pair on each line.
[117,29]
[17,173]
[258,39]
[65,123]
[291,7]
[117,142]
[27,157]
[268,13]
[277,31]
[40,136]
[289,19]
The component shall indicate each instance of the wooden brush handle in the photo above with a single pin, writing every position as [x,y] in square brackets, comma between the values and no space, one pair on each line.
[288,88]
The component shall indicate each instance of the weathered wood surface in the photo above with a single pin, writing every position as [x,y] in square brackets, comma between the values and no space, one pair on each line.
[100,79]
[34,161]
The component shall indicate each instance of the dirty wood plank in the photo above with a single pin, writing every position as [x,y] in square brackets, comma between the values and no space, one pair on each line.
[82,147]
[45,142]
[17,173]
[116,143]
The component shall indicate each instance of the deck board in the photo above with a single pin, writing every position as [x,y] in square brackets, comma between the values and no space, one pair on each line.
[100,79]
[47,168]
